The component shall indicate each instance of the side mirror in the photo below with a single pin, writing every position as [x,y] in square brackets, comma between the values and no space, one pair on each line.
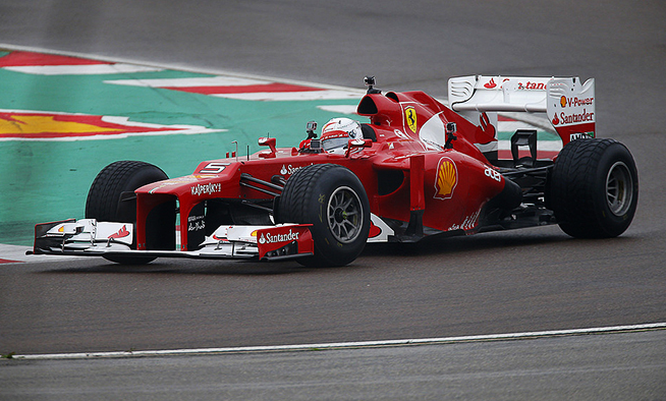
[358,144]
[270,142]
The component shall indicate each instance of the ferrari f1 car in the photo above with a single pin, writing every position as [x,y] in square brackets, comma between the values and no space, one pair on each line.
[417,168]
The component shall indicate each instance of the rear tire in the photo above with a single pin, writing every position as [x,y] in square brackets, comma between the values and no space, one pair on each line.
[594,188]
[333,200]
[110,198]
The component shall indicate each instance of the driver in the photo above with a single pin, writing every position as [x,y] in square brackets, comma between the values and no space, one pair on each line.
[337,132]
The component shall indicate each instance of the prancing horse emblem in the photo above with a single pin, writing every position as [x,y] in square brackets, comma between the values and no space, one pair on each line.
[410,116]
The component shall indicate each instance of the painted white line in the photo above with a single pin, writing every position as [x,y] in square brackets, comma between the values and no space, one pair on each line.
[348,345]
[93,69]
[288,96]
[187,82]
[340,109]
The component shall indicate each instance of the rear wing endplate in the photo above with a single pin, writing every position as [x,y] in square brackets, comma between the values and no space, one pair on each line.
[567,102]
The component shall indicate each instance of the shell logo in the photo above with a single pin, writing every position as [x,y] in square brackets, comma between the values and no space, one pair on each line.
[447,179]
[563,101]
[410,117]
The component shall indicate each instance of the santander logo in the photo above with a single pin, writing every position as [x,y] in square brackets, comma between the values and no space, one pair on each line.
[539,86]
[122,233]
[276,238]
[490,84]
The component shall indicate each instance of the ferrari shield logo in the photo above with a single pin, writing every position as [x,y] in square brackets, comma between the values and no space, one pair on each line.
[410,117]
[447,179]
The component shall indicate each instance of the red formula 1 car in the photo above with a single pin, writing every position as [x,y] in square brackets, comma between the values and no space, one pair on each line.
[418,168]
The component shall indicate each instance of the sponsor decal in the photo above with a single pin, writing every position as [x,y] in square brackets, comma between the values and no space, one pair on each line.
[529,85]
[221,234]
[195,223]
[214,168]
[573,118]
[289,170]
[532,86]
[122,233]
[206,189]
[581,135]
[411,118]
[222,239]
[575,102]
[269,238]
[447,179]
[469,223]
[492,173]
[177,181]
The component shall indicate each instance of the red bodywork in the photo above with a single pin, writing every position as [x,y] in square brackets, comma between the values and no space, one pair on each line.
[405,170]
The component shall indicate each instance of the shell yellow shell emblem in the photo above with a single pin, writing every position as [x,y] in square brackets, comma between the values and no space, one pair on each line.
[410,117]
[447,179]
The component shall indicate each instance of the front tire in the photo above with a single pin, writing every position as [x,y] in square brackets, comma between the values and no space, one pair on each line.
[111,197]
[594,188]
[333,200]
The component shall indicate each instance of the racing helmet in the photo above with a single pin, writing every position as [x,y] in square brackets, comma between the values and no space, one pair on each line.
[337,132]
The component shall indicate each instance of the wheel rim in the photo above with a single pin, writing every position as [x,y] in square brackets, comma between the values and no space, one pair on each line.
[619,189]
[345,215]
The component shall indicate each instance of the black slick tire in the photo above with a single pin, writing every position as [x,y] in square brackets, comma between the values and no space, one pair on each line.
[333,200]
[110,197]
[594,188]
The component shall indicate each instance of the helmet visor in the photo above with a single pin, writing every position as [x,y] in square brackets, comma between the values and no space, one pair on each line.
[334,143]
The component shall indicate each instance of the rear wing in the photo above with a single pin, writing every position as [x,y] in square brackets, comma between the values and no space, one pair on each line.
[567,102]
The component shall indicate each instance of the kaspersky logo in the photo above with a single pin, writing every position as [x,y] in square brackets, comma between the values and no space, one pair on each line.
[44,126]
[447,179]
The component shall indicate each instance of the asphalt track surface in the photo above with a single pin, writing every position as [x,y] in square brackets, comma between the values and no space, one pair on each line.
[536,279]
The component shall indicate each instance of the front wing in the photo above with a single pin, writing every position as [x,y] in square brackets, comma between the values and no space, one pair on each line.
[88,237]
